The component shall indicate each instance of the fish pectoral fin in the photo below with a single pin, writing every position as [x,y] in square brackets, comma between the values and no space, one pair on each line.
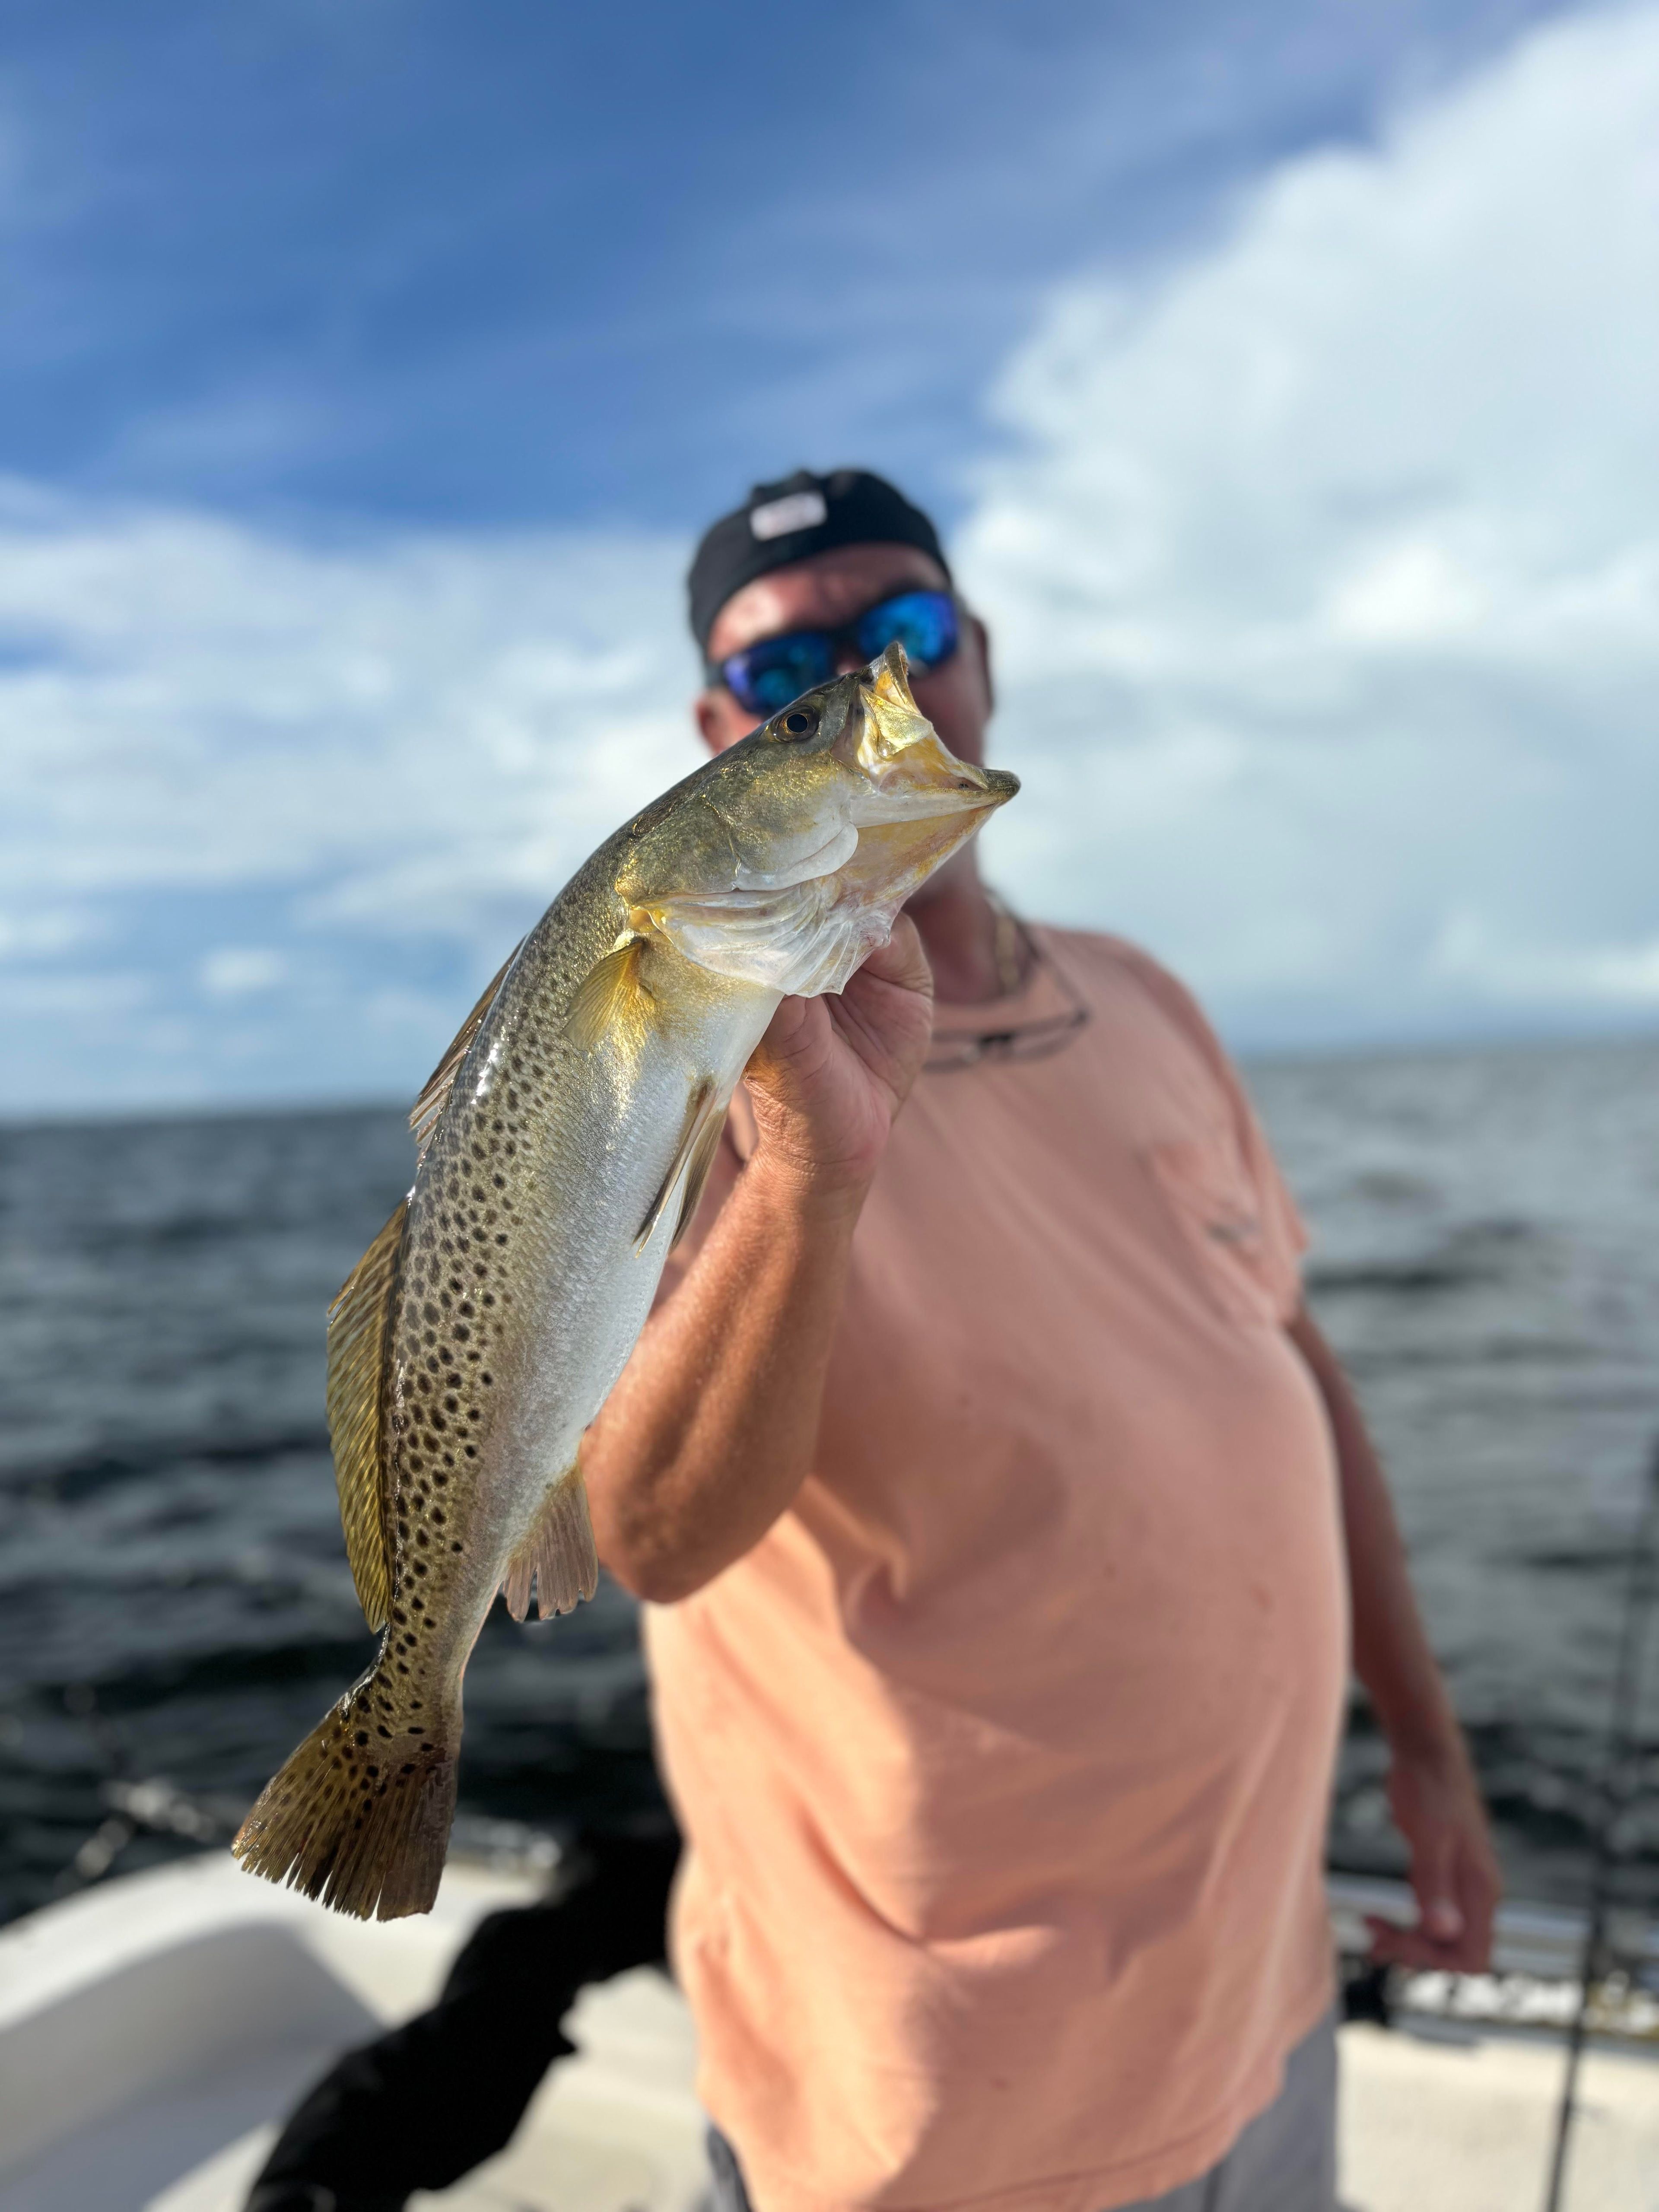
[359,1323]
[557,1555]
[699,1112]
[696,1170]
[612,999]
[427,1110]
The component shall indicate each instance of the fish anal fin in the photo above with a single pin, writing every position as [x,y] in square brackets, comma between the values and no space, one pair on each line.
[358,1324]
[696,1170]
[427,1110]
[557,1555]
[699,1109]
[613,999]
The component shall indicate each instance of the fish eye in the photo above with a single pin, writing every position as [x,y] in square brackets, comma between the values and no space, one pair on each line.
[798,722]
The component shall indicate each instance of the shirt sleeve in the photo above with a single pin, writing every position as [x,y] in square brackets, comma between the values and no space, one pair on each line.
[1284,1237]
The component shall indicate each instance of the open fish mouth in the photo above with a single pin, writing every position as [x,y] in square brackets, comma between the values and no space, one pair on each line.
[798,863]
[906,772]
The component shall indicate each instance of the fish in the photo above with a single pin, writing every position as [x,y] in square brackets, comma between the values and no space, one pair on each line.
[562,1145]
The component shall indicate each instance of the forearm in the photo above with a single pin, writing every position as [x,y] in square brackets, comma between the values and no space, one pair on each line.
[1391,1652]
[709,1433]
[1432,1789]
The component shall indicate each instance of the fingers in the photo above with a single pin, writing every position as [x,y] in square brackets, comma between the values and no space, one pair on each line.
[1457,1940]
[1480,1886]
[1450,1934]
[885,1014]
[1454,1870]
[795,1032]
[1434,1880]
[901,960]
[1394,1945]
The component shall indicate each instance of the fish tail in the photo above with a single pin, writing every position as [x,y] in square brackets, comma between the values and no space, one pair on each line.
[360,1816]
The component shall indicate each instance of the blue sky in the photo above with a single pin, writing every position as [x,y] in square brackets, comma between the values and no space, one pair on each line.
[535,263]
[367,369]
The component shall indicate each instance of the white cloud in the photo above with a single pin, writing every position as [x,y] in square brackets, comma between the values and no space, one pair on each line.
[44,931]
[1326,570]
[240,971]
[1614,976]
[188,701]
[311,792]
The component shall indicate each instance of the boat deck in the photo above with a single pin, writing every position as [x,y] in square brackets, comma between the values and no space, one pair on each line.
[154,2031]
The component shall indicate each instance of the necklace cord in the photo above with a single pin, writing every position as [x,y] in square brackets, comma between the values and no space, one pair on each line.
[954,1049]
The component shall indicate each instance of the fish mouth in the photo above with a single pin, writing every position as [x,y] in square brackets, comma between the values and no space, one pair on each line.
[906,771]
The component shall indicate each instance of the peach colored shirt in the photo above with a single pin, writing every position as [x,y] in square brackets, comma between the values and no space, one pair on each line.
[1004,1757]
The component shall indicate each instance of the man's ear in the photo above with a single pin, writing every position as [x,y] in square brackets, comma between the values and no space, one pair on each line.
[720,718]
[984,637]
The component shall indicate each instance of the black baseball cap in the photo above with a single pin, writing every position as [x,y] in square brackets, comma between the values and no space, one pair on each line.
[793,519]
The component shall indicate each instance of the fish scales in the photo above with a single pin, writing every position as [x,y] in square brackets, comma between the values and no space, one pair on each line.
[485,1329]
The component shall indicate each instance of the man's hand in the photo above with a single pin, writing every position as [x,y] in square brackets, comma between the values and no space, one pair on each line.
[829,1074]
[1453,1869]
[710,1432]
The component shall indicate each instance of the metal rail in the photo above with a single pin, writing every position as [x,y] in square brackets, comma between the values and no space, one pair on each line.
[1614,1795]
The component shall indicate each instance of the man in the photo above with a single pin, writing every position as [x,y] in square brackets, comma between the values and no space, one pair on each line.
[1004,1518]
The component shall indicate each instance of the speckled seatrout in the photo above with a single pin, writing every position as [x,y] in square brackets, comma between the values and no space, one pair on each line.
[564,1140]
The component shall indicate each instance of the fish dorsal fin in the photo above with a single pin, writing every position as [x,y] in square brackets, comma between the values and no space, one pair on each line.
[612,999]
[359,1321]
[697,1171]
[427,1110]
[699,1112]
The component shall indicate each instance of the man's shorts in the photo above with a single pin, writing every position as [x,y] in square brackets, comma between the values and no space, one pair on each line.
[1284,2161]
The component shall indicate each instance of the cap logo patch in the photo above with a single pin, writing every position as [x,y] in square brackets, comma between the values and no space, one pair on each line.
[797,510]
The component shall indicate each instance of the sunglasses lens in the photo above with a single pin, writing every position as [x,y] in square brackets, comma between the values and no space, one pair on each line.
[769,675]
[923,622]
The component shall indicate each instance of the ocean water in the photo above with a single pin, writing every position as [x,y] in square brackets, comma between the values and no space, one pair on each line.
[174,1602]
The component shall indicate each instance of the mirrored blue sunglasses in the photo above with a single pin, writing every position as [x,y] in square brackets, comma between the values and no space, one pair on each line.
[764,676]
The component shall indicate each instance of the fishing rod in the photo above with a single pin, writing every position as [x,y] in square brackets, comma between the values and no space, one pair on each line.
[1614,1793]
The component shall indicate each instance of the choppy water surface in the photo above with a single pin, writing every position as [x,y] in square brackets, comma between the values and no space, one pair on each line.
[176,1602]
